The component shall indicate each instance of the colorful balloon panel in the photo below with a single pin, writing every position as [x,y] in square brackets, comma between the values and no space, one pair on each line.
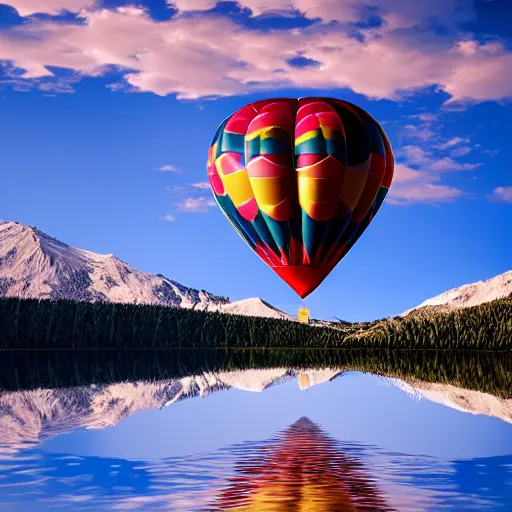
[300,180]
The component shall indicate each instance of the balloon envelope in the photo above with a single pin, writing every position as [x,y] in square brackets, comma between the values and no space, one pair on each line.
[300,180]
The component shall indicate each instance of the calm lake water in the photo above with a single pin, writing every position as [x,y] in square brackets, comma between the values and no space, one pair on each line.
[192,431]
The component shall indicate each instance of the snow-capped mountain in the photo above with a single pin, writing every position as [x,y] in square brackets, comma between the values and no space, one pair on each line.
[36,265]
[472,294]
[29,417]
[254,307]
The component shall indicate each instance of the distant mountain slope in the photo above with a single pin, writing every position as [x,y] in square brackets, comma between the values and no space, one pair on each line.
[471,294]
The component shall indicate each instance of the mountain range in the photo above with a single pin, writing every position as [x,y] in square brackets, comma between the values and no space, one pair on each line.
[35,265]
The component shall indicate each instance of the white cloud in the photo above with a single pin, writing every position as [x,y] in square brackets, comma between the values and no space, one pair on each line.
[169,218]
[168,168]
[202,185]
[195,204]
[501,194]
[426,127]
[183,56]
[405,174]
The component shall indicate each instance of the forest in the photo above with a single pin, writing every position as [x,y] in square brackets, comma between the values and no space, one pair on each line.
[45,324]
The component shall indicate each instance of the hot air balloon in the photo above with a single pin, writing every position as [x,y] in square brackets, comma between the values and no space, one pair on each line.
[300,180]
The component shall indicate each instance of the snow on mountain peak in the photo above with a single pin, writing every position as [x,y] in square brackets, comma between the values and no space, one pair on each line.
[255,307]
[472,294]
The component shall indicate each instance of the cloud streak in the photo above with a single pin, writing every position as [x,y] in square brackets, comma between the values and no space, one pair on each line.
[168,168]
[203,185]
[195,204]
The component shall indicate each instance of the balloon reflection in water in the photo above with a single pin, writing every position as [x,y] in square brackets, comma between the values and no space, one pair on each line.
[302,470]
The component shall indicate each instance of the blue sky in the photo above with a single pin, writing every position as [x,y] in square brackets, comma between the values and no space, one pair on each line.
[96,97]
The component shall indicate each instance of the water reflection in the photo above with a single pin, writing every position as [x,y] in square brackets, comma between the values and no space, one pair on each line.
[298,431]
[298,469]
[301,468]
[489,372]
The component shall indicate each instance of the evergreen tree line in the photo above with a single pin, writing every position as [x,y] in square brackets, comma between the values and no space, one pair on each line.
[485,371]
[44,324]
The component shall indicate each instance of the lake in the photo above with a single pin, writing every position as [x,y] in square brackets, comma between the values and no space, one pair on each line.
[253,430]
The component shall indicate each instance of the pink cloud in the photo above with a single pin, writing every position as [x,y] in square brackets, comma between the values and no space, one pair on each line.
[29,7]
[461,151]
[483,73]
[413,186]
[423,132]
[501,194]
[454,141]
[423,193]
[418,176]
[415,155]
[404,174]
[204,55]
[396,13]
[447,164]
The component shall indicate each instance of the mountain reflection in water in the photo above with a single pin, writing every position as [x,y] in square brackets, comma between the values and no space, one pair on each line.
[290,462]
